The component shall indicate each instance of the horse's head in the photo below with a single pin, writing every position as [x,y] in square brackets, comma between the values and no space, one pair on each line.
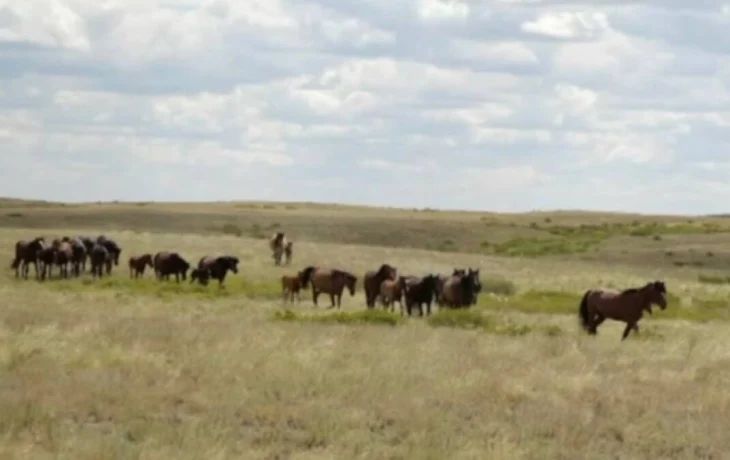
[350,282]
[234,264]
[202,275]
[147,260]
[474,275]
[182,265]
[657,293]
[387,271]
[459,272]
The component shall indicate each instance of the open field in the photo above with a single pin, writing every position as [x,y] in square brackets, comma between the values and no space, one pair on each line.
[138,369]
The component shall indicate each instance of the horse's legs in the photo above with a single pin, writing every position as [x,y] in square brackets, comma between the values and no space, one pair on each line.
[332,299]
[428,308]
[420,309]
[315,296]
[627,330]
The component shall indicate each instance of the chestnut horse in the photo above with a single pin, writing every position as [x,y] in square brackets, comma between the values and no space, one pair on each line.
[330,281]
[391,291]
[373,279]
[292,285]
[138,264]
[627,306]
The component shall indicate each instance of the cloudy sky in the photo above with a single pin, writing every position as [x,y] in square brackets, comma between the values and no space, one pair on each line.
[501,105]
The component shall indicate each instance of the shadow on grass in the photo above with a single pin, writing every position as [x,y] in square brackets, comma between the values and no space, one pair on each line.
[170,289]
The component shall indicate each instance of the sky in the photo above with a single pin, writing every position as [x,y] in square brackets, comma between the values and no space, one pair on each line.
[502,105]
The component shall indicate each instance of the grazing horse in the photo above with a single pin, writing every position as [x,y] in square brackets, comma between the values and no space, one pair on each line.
[459,290]
[202,275]
[114,250]
[419,291]
[627,306]
[137,265]
[373,279]
[170,263]
[288,252]
[100,260]
[391,291]
[218,266]
[291,285]
[330,281]
[26,253]
[277,243]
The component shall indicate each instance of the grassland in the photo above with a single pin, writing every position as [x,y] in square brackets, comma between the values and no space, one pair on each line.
[137,369]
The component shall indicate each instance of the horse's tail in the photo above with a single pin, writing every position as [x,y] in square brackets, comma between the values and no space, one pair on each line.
[585,320]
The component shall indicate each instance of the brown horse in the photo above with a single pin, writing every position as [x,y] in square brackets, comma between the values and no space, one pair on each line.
[330,281]
[26,253]
[47,259]
[100,260]
[63,257]
[441,280]
[391,291]
[170,263]
[627,306]
[459,290]
[291,285]
[219,266]
[138,264]
[373,279]
[419,291]
[78,259]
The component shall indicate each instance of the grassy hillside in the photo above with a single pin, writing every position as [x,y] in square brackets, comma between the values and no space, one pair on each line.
[124,368]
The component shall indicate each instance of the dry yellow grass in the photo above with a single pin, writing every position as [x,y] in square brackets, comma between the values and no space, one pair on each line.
[123,373]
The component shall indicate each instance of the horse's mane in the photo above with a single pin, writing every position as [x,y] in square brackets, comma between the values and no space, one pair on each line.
[305,274]
[346,274]
[383,269]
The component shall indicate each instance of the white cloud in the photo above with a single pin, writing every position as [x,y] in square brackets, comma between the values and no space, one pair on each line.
[528,103]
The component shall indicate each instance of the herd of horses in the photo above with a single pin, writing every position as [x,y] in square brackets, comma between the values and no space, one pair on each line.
[459,289]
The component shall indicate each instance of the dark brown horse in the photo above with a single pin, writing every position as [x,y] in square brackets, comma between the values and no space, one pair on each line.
[459,290]
[391,291]
[114,250]
[288,252]
[100,261]
[330,281]
[219,266]
[138,264]
[46,260]
[170,263]
[291,285]
[373,279]
[420,291]
[201,275]
[627,306]
[26,253]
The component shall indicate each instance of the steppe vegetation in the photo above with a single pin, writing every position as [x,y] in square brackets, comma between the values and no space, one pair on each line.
[121,368]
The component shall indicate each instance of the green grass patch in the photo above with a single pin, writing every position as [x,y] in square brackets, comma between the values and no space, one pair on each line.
[535,301]
[378,317]
[233,286]
[713,279]
[539,247]
[498,286]
[475,320]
